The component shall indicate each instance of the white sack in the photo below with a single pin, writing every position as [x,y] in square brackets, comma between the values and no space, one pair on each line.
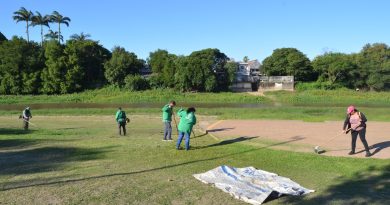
[249,184]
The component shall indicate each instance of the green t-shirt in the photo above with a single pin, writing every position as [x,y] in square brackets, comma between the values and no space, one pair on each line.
[187,121]
[167,113]
[120,116]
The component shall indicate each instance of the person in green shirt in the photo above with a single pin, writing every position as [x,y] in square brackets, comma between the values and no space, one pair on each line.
[187,121]
[120,118]
[167,119]
[26,115]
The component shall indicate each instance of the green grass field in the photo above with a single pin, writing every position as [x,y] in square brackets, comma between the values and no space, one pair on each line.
[324,98]
[115,95]
[309,113]
[81,160]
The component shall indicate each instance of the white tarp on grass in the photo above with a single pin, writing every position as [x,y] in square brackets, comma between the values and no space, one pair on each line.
[251,185]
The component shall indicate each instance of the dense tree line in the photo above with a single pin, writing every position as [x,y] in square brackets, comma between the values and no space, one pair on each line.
[51,67]
[369,69]
[82,63]
[204,70]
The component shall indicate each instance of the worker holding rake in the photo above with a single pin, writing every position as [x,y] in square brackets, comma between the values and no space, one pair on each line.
[167,119]
[356,122]
[122,120]
[26,116]
[187,121]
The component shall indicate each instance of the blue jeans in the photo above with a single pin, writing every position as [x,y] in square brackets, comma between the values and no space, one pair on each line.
[181,135]
[167,131]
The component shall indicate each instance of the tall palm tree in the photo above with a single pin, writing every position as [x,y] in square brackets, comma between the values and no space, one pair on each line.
[58,18]
[39,20]
[23,15]
[51,35]
[80,37]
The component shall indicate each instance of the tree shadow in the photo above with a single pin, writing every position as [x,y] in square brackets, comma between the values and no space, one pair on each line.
[379,146]
[44,159]
[16,143]
[70,128]
[11,187]
[220,129]
[371,186]
[226,142]
[197,136]
[14,131]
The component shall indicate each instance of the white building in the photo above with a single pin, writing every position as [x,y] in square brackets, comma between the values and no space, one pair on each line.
[247,76]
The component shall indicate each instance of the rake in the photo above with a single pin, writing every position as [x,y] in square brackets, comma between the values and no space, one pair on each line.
[318,150]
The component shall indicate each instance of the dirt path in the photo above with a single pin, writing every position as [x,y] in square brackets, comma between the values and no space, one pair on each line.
[303,136]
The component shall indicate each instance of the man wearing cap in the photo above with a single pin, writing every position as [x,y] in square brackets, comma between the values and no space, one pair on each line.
[26,115]
[356,121]
[120,118]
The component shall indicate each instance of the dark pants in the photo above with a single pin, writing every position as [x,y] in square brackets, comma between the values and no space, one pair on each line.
[123,126]
[25,124]
[167,131]
[362,135]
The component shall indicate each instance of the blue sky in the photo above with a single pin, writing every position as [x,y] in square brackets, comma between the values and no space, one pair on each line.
[239,28]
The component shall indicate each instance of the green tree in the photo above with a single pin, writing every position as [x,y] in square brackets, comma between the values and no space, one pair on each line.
[136,83]
[203,70]
[53,75]
[183,75]
[23,15]
[232,68]
[157,60]
[2,38]
[169,71]
[289,61]
[373,61]
[335,68]
[20,66]
[56,17]
[163,67]
[53,35]
[85,64]
[39,20]
[121,64]
[245,59]
[80,37]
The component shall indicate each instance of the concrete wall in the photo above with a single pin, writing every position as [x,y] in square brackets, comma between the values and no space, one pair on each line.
[276,83]
[241,87]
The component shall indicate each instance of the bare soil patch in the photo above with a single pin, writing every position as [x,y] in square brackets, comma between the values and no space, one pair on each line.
[303,136]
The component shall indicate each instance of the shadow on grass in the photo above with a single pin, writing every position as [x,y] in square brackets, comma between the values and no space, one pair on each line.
[70,128]
[11,187]
[371,186]
[226,142]
[45,159]
[14,131]
[16,143]
[199,135]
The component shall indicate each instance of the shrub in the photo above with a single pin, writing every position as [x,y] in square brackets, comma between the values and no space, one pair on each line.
[136,83]
[156,82]
[317,86]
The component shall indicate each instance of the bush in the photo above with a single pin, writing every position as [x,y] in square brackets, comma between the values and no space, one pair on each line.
[136,83]
[156,82]
[317,86]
